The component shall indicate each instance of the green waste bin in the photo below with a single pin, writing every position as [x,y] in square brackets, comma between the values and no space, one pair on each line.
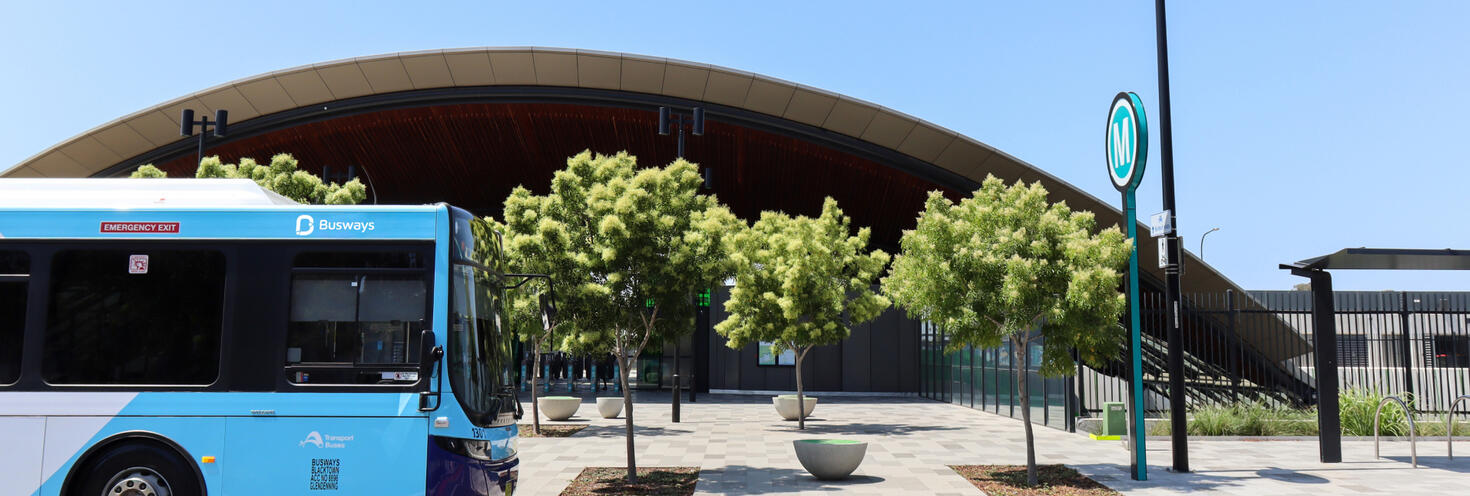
[1115,419]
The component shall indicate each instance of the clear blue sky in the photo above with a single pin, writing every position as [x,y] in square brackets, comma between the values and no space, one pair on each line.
[1299,127]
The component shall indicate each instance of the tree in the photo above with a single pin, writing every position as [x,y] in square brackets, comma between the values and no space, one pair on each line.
[627,249]
[801,282]
[281,176]
[1006,265]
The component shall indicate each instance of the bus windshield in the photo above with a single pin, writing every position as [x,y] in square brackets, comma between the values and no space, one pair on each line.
[480,350]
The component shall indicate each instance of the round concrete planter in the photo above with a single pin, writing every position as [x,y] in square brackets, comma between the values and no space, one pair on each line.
[786,405]
[830,459]
[558,407]
[609,407]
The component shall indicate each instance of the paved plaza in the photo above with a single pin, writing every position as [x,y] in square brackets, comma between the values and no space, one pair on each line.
[742,447]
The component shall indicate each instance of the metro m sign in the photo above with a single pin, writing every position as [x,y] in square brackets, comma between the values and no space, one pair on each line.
[140,228]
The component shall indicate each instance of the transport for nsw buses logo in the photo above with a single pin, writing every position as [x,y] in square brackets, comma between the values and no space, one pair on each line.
[320,440]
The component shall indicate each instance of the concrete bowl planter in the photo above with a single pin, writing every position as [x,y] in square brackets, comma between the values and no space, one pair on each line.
[609,407]
[830,459]
[558,407]
[786,405]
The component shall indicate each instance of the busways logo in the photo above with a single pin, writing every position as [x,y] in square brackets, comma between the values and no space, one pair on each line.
[319,440]
[305,225]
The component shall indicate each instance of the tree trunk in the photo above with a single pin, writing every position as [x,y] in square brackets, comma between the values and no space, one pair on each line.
[800,398]
[1021,356]
[535,408]
[628,411]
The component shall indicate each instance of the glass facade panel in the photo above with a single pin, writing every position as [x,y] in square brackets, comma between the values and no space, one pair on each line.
[958,370]
[986,379]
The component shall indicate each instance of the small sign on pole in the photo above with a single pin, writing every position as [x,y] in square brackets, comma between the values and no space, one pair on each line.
[1160,224]
[1163,252]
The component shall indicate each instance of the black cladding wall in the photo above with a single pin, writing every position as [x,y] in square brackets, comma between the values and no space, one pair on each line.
[880,356]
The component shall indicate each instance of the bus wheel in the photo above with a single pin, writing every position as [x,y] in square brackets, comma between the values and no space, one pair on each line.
[136,469]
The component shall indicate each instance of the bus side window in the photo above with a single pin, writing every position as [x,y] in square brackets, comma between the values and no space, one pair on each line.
[15,270]
[134,316]
[358,326]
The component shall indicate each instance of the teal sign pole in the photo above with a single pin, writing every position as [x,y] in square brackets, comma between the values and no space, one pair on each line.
[1127,150]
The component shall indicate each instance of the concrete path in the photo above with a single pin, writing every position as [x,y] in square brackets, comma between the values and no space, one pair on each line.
[743,447]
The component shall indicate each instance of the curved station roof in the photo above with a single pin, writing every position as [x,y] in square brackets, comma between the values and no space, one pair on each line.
[467,125]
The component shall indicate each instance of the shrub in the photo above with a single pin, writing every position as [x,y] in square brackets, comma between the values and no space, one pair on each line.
[1356,408]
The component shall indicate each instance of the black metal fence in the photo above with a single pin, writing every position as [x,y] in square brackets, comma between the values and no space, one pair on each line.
[1257,347]
[1238,348]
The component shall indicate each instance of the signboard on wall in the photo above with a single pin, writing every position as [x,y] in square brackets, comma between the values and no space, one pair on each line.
[767,355]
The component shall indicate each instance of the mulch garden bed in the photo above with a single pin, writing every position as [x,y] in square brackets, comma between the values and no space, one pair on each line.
[1010,480]
[551,430]
[659,481]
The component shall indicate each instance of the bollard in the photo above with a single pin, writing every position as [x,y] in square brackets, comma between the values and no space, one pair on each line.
[546,367]
[676,398]
[571,381]
[523,378]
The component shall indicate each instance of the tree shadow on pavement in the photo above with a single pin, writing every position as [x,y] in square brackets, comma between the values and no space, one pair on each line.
[849,428]
[638,430]
[744,479]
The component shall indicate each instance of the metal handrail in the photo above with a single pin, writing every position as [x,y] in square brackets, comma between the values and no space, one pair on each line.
[1449,425]
[1408,414]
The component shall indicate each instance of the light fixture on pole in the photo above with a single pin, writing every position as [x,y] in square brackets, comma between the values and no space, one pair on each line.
[187,123]
[1202,242]
[668,119]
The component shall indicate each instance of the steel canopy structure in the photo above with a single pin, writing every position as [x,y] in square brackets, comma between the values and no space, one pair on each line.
[467,125]
[1324,325]
[1388,259]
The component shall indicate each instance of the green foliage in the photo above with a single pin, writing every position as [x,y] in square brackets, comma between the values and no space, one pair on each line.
[149,172]
[613,236]
[1355,410]
[801,281]
[281,176]
[1005,262]
[1356,407]
[1007,265]
[1251,419]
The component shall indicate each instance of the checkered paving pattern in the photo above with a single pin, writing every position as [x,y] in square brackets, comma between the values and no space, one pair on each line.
[743,447]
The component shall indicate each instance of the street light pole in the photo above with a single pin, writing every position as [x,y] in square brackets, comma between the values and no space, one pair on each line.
[1179,429]
[668,119]
[1202,242]
[187,123]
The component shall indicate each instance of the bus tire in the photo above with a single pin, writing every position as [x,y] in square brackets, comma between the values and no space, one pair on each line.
[133,468]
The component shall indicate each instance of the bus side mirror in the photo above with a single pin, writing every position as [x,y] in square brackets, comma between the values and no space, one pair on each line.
[548,312]
[429,356]
[428,360]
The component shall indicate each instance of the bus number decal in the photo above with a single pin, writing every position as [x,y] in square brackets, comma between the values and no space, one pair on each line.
[477,432]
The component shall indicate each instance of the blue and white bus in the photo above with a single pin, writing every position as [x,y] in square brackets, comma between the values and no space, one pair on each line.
[161,345]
